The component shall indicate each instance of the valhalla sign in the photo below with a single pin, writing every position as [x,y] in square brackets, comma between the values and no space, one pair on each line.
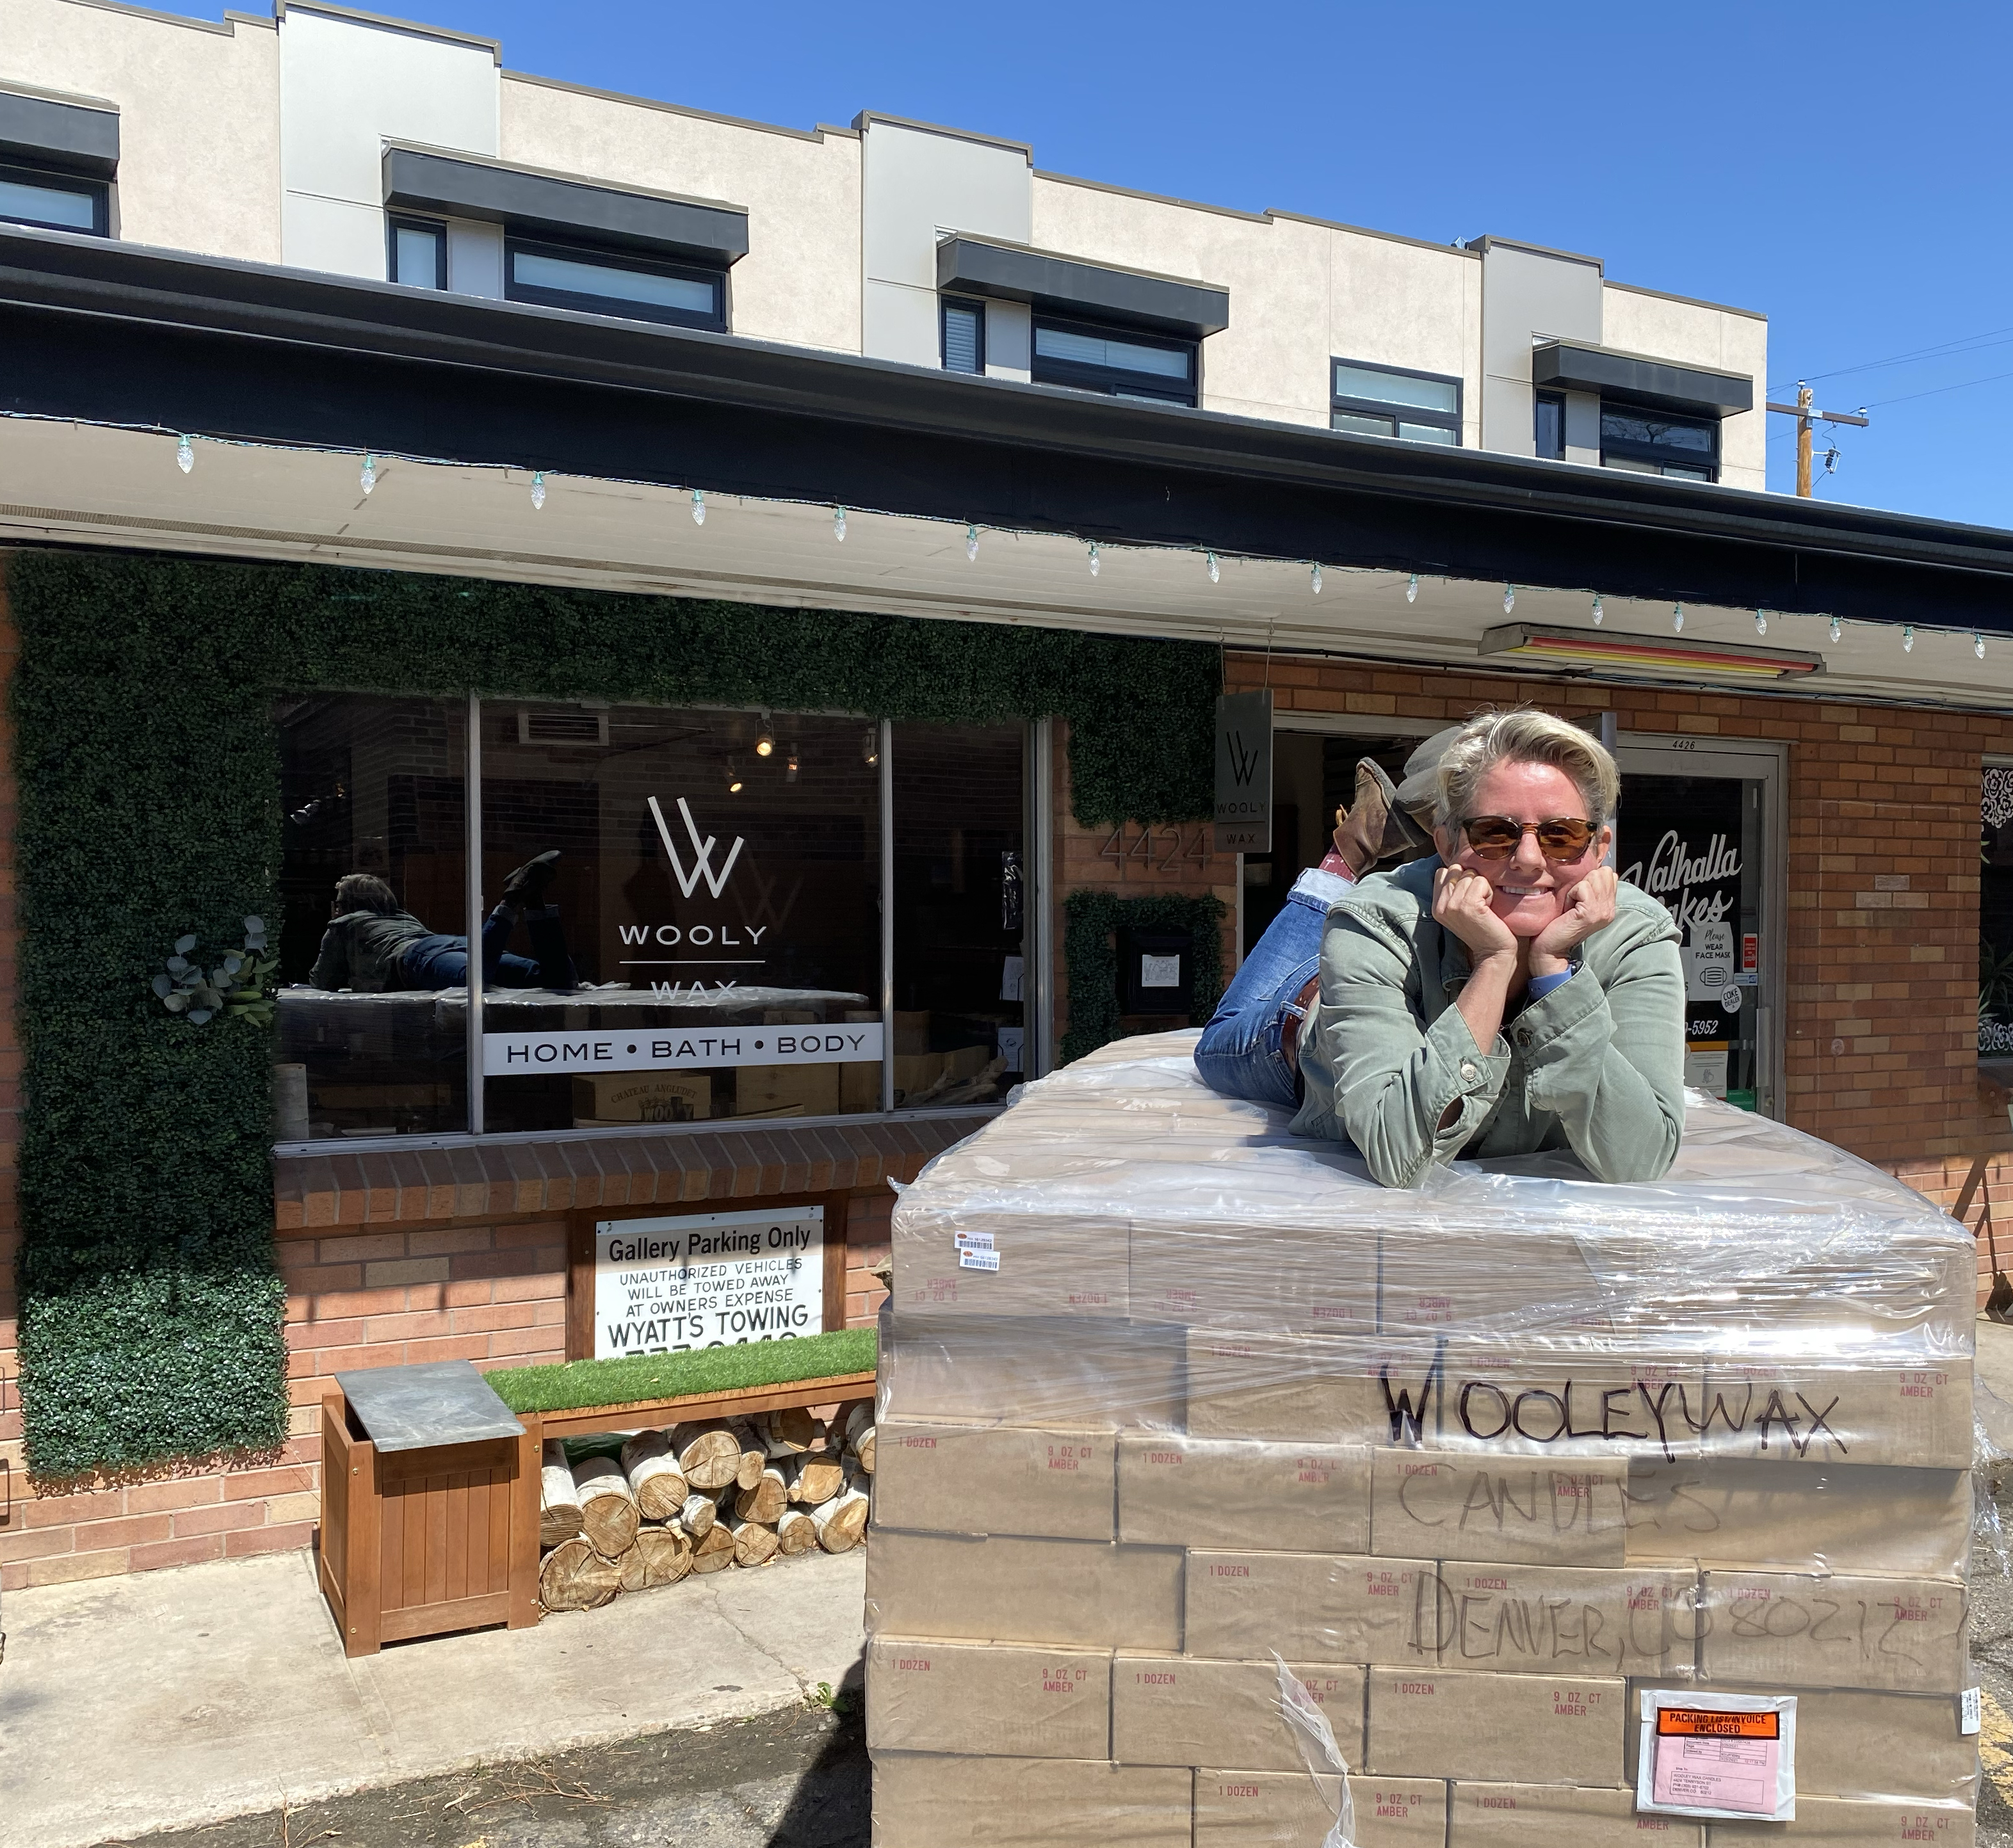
[1244,772]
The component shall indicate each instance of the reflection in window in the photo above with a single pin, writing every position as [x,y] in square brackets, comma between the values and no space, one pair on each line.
[56,201]
[1422,407]
[1548,427]
[604,282]
[1659,443]
[372,885]
[715,900]
[960,904]
[1117,363]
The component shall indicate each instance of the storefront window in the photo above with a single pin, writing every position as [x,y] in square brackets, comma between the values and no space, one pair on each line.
[372,886]
[686,909]
[960,905]
[681,917]
[1995,914]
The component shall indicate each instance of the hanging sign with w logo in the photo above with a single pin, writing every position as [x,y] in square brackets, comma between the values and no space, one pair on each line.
[1244,772]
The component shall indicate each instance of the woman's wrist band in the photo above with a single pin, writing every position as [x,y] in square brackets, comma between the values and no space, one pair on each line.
[1539,986]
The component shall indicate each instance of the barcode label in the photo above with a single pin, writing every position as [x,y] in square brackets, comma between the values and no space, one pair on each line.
[978,1260]
[1970,1712]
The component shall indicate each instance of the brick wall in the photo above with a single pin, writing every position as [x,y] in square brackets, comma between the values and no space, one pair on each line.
[491,1290]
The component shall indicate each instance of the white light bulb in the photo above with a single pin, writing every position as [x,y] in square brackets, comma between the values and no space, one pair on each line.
[538,490]
[1412,589]
[971,544]
[698,506]
[368,479]
[838,524]
[1677,616]
[1599,612]
[1314,581]
[1978,644]
[1093,557]
[1215,570]
[184,455]
[1509,598]
[1908,639]
[1837,628]
[1760,622]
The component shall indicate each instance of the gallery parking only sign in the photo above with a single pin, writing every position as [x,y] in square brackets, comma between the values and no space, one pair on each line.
[697,1280]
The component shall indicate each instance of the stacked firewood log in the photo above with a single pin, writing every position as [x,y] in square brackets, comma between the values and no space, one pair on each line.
[701,1498]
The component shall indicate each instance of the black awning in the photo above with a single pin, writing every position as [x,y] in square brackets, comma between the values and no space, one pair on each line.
[421,181]
[1067,285]
[81,136]
[1579,365]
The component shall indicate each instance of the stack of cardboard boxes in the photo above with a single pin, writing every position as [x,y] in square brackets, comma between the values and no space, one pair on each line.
[1165,1391]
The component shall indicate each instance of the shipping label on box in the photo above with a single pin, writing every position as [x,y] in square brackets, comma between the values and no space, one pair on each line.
[1536,1815]
[988,1697]
[995,1479]
[1788,1412]
[1278,1279]
[1843,1519]
[1068,1268]
[1854,1822]
[1231,1492]
[1458,1507]
[1797,1629]
[1295,1389]
[1091,1373]
[1182,1710]
[1087,1593]
[1321,1607]
[925,1801]
[1546,1619]
[1902,1748]
[1441,1722]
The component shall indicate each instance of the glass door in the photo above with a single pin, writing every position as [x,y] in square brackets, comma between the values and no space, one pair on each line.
[1700,830]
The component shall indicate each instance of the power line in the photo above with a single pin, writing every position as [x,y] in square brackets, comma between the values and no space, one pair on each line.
[1944,349]
[1963,385]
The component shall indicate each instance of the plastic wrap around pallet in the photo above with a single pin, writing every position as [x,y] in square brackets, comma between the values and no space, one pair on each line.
[1164,1389]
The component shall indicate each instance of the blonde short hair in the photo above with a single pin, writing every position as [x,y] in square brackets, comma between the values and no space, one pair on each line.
[1525,735]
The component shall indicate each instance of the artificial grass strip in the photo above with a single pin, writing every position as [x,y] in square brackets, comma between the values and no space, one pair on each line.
[581,1384]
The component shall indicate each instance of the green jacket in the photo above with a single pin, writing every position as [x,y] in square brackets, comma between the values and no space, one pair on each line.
[1596,1066]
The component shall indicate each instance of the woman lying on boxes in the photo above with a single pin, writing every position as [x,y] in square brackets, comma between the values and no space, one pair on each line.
[1506,995]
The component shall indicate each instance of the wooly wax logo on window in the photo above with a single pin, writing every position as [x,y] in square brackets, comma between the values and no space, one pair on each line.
[701,852]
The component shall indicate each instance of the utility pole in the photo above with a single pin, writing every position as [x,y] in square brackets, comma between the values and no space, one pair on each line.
[1805,414]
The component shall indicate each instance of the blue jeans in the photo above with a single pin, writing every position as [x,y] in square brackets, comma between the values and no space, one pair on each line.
[440,962]
[1240,1053]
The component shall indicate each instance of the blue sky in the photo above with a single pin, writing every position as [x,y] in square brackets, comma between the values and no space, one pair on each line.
[1843,169]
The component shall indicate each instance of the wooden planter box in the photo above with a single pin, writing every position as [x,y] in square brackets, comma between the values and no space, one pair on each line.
[420,1542]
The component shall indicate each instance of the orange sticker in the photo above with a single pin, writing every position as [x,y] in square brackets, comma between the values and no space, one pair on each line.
[1693,1722]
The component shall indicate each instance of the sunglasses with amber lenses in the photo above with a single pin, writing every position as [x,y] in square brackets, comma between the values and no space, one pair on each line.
[1496,837]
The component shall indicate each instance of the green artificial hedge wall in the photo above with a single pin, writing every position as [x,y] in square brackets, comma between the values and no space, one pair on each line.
[151,1308]
[1093,919]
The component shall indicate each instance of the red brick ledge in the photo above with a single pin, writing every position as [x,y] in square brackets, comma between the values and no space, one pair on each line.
[401,1186]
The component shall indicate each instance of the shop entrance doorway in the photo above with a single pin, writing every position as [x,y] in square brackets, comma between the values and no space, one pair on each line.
[1700,829]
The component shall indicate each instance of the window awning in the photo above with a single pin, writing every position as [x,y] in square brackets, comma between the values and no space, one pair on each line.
[1066,285]
[1579,366]
[457,186]
[74,133]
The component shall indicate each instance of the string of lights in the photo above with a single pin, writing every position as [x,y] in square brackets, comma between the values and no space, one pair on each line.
[371,470]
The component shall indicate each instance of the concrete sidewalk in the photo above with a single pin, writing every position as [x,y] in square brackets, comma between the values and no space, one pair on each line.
[171,1699]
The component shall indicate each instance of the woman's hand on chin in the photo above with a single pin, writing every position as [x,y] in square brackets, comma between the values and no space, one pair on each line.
[1463,902]
[1584,908]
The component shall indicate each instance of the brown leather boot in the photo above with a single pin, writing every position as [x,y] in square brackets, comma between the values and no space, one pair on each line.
[1373,828]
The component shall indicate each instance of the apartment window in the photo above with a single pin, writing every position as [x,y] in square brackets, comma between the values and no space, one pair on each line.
[1657,443]
[418,252]
[1117,363]
[1549,426]
[1422,407]
[604,282]
[683,916]
[55,202]
[964,335]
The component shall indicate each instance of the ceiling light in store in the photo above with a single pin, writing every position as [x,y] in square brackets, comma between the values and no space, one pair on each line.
[765,739]
[733,778]
[1639,654]
[790,766]
[870,744]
